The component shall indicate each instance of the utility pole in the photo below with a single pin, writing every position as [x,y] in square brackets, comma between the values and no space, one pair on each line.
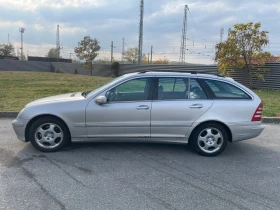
[152,54]
[18,52]
[112,51]
[21,30]
[57,42]
[8,38]
[122,49]
[229,30]
[184,37]
[148,58]
[140,45]
[221,34]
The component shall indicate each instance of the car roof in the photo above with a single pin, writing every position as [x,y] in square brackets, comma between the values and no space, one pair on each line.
[178,74]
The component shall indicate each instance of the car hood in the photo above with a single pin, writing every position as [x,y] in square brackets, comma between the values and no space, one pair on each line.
[58,98]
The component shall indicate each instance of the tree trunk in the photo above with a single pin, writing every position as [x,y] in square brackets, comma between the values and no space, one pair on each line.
[250,76]
[91,68]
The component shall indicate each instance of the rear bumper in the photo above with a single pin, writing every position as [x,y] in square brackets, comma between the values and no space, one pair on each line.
[243,131]
[19,126]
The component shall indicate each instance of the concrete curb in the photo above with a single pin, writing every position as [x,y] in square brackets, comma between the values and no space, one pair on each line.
[273,120]
[8,114]
[269,120]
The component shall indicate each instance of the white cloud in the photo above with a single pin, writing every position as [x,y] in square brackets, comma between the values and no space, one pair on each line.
[19,23]
[64,29]
[112,20]
[226,21]
[38,27]
[33,4]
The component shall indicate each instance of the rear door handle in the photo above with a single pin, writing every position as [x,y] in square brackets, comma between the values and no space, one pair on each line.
[196,106]
[142,107]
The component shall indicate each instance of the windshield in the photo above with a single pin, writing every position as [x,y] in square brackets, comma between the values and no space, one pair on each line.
[104,86]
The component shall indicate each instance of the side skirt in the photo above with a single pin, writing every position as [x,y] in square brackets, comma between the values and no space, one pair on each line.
[132,140]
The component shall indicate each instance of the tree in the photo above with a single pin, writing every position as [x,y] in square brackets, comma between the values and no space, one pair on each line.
[52,53]
[243,49]
[23,57]
[6,50]
[87,50]
[145,59]
[161,61]
[131,55]
[103,61]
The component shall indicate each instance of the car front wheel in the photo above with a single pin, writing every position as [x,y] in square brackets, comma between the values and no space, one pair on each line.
[209,139]
[48,134]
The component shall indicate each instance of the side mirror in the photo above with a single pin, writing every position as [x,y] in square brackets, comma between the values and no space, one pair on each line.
[100,100]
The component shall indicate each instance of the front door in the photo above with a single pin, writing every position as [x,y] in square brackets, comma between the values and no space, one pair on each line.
[127,113]
[179,103]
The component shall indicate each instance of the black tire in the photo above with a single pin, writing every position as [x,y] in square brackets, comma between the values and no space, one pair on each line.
[213,144]
[59,129]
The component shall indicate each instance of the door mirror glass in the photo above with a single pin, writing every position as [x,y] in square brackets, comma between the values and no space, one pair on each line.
[101,100]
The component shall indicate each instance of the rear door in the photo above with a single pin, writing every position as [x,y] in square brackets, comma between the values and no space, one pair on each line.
[178,102]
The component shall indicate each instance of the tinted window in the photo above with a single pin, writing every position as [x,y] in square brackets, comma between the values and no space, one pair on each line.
[133,90]
[196,92]
[225,90]
[172,88]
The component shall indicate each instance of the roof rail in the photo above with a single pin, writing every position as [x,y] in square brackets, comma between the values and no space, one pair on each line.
[176,71]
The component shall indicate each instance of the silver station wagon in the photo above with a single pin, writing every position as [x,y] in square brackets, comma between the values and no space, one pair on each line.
[206,111]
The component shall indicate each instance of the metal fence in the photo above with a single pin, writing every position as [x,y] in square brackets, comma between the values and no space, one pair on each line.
[271,76]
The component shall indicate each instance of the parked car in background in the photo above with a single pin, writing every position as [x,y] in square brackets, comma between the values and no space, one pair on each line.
[206,111]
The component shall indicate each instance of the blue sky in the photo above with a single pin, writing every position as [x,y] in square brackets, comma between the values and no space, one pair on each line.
[112,20]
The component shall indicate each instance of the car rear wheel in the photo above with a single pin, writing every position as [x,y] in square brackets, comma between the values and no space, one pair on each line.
[209,139]
[49,134]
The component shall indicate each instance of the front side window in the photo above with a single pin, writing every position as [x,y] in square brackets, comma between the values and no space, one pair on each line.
[132,90]
[225,90]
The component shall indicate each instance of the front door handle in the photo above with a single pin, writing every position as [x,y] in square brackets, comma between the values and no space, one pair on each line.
[142,107]
[196,106]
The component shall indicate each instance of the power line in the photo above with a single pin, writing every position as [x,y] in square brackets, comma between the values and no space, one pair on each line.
[195,24]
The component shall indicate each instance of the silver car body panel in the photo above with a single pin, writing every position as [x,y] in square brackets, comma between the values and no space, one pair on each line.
[158,121]
[130,119]
[166,122]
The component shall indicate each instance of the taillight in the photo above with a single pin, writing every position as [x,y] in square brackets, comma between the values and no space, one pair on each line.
[258,113]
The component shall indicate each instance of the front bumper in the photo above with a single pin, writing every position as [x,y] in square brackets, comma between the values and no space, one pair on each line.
[19,126]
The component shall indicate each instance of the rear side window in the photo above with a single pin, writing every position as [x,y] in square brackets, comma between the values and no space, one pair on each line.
[172,88]
[196,92]
[179,88]
[224,90]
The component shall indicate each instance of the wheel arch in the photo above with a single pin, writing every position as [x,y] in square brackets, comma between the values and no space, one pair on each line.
[216,122]
[29,124]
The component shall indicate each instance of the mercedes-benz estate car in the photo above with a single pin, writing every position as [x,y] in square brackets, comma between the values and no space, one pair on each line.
[206,111]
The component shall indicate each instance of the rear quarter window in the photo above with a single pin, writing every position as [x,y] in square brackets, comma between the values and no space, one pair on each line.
[223,90]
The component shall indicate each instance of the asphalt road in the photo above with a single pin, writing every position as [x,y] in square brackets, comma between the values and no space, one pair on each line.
[139,176]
